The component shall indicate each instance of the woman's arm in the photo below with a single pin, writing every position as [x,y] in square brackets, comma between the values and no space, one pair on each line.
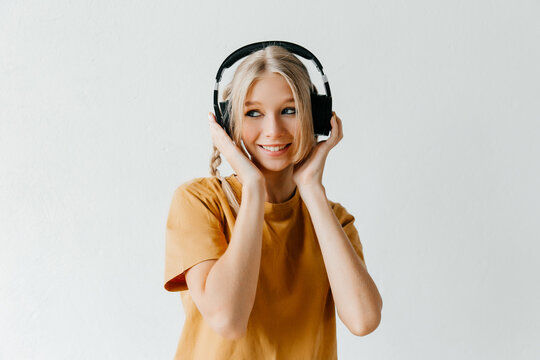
[225,293]
[357,299]
[224,290]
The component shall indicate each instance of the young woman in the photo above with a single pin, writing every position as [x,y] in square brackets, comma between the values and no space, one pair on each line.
[262,258]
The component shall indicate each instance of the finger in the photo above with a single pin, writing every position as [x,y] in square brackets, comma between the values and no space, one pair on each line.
[214,125]
[334,134]
[340,127]
[337,130]
[216,131]
[212,119]
[327,143]
[221,139]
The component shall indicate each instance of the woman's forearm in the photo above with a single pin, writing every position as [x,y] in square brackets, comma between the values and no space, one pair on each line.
[356,296]
[232,282]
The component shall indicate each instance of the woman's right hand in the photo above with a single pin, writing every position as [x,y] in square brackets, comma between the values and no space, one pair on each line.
[244,168]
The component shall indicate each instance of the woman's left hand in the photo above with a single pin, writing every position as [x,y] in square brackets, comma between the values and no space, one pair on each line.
[309,171]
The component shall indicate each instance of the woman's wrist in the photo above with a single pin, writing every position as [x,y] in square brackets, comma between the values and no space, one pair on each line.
[309,191]
[254,187]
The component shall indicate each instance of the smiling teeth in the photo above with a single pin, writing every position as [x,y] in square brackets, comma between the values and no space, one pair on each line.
[274,148]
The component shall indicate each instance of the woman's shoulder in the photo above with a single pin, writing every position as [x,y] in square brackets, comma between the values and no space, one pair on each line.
[335,205]
[341,212]
[201,187]
[200,183]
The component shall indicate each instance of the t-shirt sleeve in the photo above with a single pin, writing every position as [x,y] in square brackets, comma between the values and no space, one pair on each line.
[347,223]
[194,233]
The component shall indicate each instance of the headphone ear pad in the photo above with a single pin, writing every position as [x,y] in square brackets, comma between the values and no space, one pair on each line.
[321,110]
[225,119]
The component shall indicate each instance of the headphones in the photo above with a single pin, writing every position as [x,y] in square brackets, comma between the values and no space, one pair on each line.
[321,105]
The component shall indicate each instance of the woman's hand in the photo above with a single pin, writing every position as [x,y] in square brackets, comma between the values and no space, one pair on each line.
[244,168]
[310,170]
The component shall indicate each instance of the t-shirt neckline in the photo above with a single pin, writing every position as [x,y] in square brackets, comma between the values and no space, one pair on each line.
[268,206]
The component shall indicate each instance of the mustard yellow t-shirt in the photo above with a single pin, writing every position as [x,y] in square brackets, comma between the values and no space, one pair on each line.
[293,316]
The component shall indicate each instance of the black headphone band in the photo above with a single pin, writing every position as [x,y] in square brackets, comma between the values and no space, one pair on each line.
[250,48]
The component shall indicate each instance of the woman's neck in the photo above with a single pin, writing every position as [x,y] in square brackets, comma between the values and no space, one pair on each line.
[280,185]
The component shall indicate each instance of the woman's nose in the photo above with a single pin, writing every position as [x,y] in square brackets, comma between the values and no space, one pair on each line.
[273,126]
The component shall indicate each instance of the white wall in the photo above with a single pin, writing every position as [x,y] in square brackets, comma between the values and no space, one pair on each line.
[103,114]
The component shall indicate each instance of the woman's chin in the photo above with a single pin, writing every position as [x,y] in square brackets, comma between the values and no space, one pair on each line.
[273,167]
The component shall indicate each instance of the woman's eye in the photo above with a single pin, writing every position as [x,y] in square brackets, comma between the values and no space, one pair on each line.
[286,111]
[251,113]
[290,111]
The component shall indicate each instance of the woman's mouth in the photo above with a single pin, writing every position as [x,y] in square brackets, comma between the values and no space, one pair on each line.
[274,150]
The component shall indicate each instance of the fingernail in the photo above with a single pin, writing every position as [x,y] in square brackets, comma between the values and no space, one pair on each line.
[210,116]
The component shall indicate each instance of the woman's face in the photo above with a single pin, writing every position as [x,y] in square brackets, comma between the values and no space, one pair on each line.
[269,121]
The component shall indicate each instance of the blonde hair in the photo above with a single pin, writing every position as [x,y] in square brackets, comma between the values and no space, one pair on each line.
[272,59]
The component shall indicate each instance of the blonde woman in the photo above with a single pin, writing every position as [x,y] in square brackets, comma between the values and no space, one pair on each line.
[262,258]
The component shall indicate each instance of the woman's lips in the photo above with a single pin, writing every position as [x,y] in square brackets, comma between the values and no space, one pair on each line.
[275,153]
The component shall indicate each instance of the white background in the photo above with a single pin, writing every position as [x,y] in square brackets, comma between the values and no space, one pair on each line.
[103,113]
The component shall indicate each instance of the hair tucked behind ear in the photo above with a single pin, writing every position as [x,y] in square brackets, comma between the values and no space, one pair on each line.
[215,161]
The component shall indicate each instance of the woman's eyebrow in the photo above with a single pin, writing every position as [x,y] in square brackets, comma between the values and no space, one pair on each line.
[248,103]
